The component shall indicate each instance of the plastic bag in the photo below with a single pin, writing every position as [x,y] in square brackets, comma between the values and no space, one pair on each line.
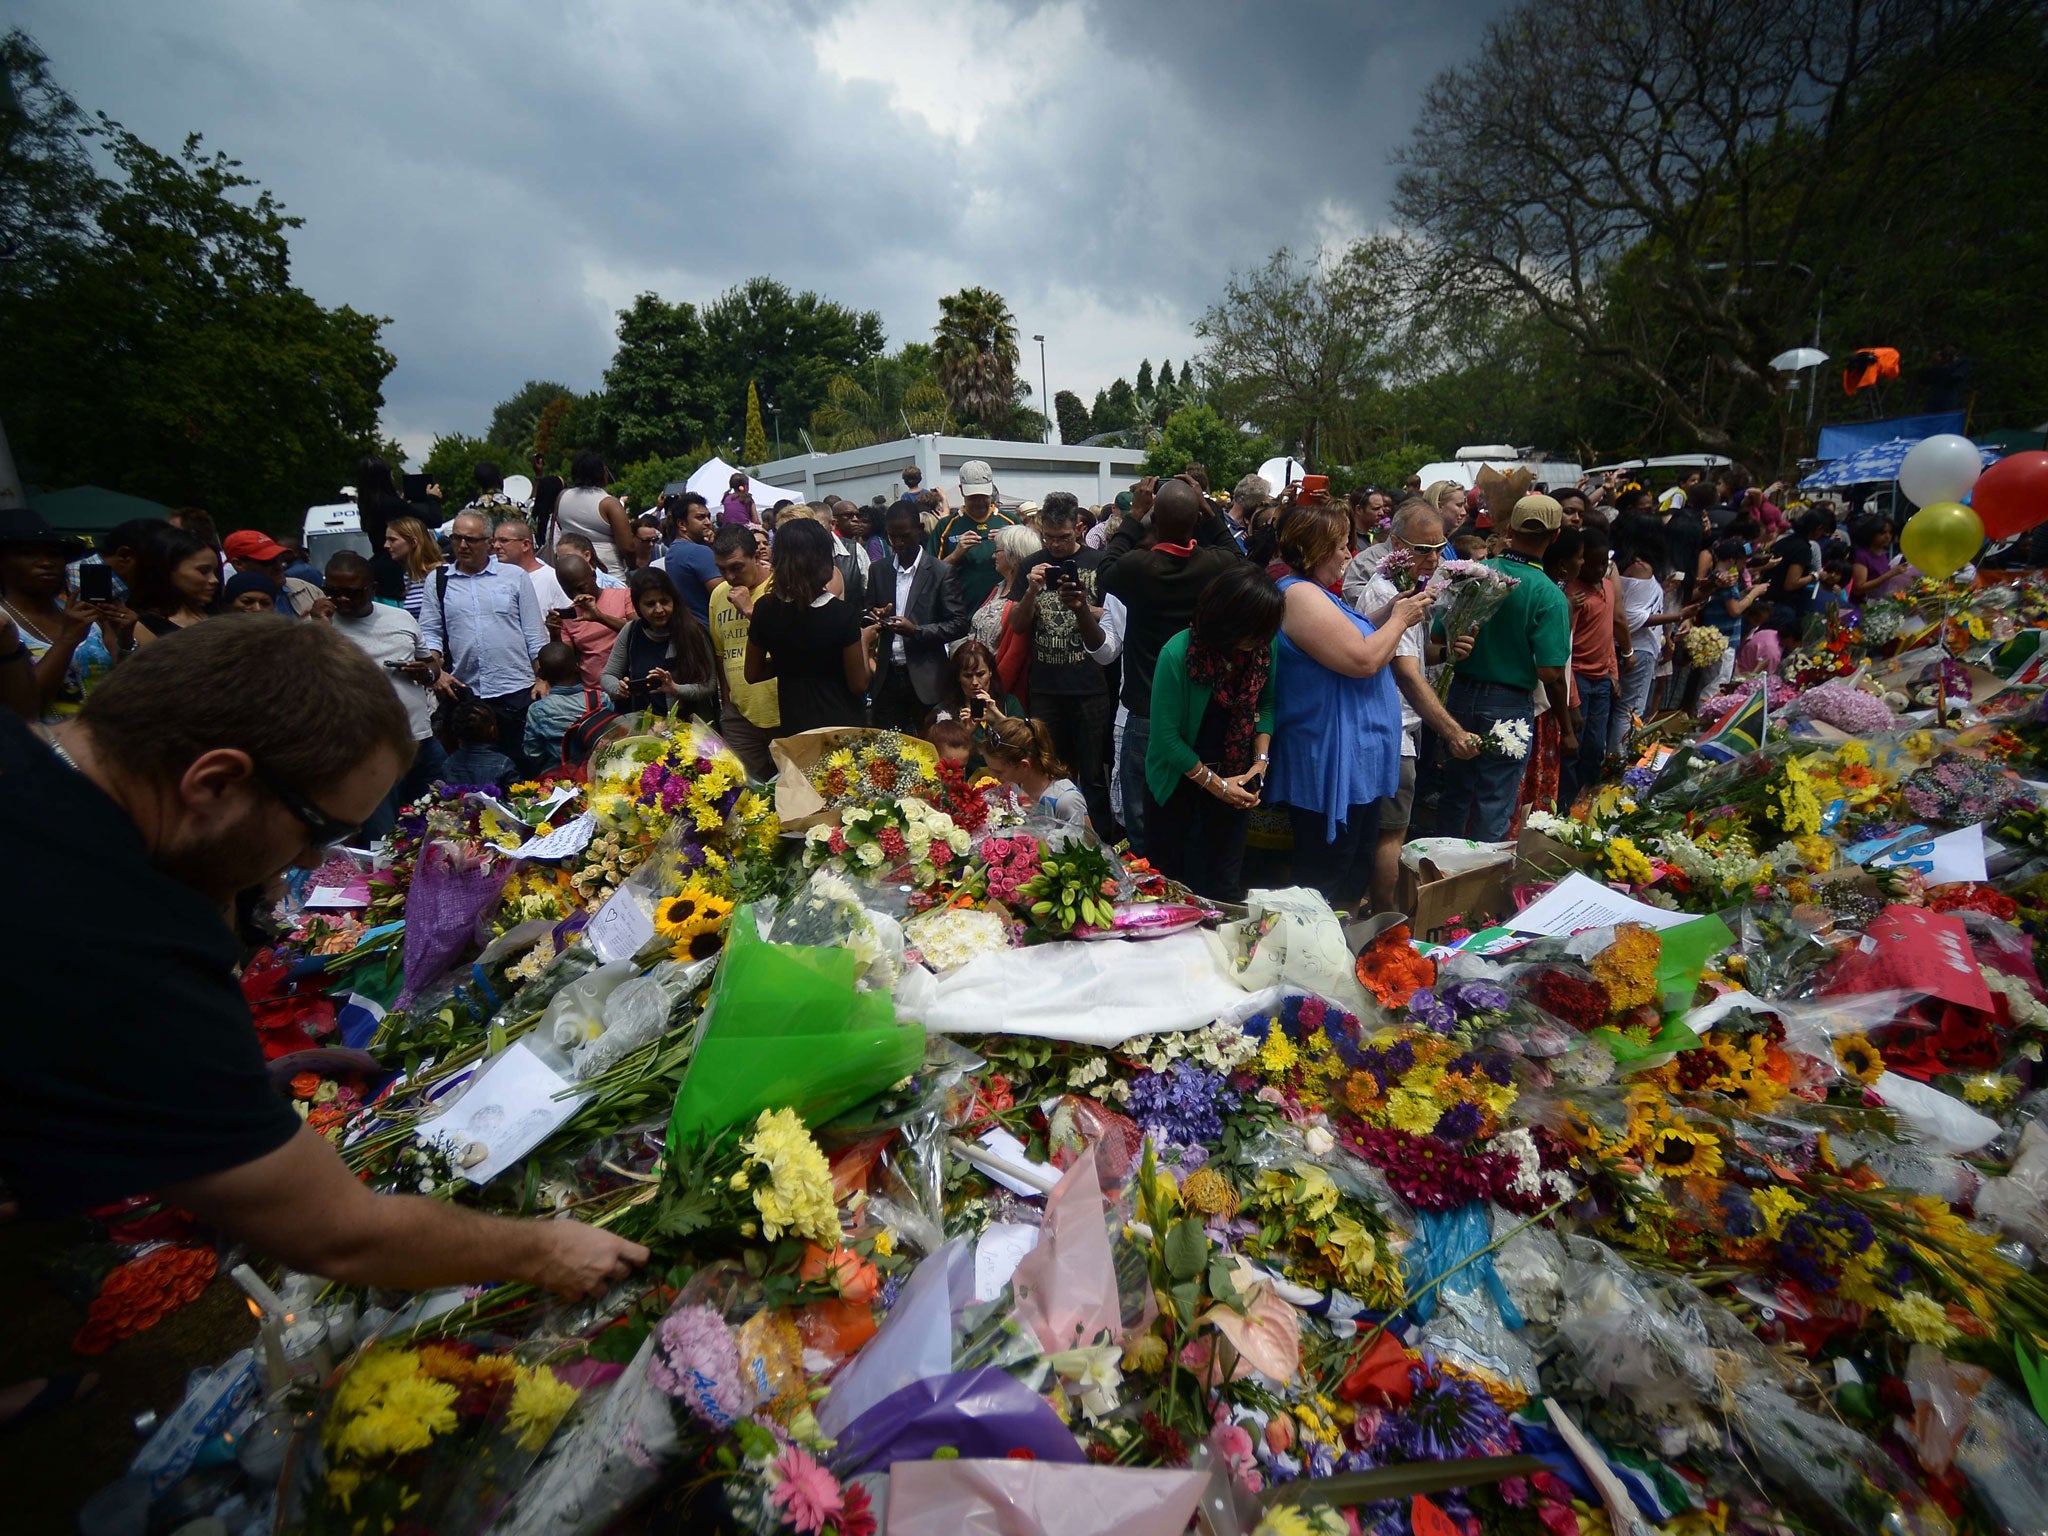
[2018,1202]
[2004,1454]
[985,1412]
[1065,1289]
[1024,1498]
[830,909]
[453,887]
[1294,941]
[785,1027]
[1943,1393]
[1454,855]
[915,1341]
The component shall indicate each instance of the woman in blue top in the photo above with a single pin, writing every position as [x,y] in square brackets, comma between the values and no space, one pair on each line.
[1337,720]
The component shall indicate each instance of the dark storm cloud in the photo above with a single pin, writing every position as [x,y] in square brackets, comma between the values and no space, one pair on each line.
[499,178]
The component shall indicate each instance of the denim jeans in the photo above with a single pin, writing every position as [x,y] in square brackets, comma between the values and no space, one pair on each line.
[1638,682]
[1479,793]
[1131,774]
[1581,769]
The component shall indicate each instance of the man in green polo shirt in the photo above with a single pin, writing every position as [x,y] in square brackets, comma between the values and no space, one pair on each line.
[966,540]
[1528,640]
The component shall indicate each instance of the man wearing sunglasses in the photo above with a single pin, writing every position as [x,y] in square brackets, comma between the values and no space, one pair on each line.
[1418,529]
[233,749]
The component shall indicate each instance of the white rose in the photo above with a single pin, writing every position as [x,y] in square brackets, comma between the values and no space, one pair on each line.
[870,854]
[1319,1141]
[958,841]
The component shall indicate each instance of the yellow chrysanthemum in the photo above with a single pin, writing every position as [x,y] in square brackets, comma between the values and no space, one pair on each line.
[1628,863]
[1775,1205]
[539,1401]
[1919,1317]
[1277,1055]
[1680,1152]
[1628,966]
[1412,1112]
[406,1418]
[796,1195]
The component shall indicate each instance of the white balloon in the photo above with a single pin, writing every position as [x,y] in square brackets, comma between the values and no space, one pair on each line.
[1940,468]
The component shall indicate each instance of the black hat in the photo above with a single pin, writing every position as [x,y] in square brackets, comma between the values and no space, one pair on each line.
[25,525]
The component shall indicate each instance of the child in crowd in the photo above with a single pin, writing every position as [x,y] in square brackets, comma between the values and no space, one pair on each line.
[1834,587]
[954,742]
[560,667]
[1020,754]
[1470,546]
[476,758]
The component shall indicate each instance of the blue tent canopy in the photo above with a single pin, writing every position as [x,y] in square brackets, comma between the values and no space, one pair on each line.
[1845,438]
[1880,462]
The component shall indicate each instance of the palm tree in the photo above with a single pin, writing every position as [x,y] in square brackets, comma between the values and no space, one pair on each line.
[976,353]
[853,416]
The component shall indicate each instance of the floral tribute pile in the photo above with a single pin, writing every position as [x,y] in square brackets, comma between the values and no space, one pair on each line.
[1721,1218]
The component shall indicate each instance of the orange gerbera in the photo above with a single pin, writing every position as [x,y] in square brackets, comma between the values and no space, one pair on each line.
[1392,970]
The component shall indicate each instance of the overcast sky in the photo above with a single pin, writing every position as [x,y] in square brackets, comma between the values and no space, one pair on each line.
[500,178]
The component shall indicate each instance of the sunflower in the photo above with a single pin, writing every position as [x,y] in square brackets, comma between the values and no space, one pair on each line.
[676,916]
[1678,1152]
[1859,1059]
[701,930]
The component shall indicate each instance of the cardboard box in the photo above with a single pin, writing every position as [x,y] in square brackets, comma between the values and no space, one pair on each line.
[1432,899]
[1543,857]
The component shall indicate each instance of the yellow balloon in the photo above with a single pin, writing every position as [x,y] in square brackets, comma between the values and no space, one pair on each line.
[1943,538]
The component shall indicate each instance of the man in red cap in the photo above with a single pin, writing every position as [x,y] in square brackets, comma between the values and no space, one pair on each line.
[255,553]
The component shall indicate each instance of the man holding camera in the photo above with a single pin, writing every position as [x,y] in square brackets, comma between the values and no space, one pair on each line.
[1076,635]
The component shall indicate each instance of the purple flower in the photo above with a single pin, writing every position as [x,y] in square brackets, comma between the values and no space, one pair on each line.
[1183,1105]
[1639,778]
[1459,1123]
[1450,1420]
[1431,1012]
[1474,997]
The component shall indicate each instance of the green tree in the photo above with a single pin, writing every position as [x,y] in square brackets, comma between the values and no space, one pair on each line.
[1293,344]
[1116,409]
[642,481]
[517,419]
[975,348]
[452,460]
[755,444]
[1667,226]
[1187,380]
[1072,416]
[656,394]
[1145,385]
[855,416]
[788,345]
[550,430]
[155,341]
[1197,435]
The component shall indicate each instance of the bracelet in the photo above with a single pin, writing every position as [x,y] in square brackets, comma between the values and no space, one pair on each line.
[1263,757]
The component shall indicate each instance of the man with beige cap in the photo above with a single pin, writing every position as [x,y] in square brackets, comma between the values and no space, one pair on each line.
[966,540]
[1528,640]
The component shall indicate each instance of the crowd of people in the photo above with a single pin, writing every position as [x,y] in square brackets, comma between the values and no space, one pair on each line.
[1163,668]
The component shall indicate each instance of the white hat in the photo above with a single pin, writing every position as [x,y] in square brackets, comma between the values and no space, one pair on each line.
[977,479]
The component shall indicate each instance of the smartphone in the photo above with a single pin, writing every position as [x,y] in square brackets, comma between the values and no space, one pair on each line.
[96,583]
[415,488]
[1059,572]
[397,666]
[978,710]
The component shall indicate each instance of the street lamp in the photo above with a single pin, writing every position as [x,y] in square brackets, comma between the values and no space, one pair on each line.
[775,414]
[1045,397]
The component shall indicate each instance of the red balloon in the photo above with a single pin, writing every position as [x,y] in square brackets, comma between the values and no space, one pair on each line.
[2012,494]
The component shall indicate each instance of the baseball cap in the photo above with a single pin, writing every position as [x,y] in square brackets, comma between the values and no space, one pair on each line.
[1536,512]
[976,478]
[252,545]
[1123,501]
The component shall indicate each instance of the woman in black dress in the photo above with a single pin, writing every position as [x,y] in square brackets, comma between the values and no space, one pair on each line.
[809,641]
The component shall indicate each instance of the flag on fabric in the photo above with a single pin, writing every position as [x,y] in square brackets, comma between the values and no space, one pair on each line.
[1738,732]
[359,1019]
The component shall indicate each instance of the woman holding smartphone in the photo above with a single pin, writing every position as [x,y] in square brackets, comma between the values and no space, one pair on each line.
[662,658]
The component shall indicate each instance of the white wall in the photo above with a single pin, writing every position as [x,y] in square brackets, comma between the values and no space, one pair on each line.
[1023,471]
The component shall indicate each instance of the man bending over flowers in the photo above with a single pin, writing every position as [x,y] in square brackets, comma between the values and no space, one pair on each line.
[232,750]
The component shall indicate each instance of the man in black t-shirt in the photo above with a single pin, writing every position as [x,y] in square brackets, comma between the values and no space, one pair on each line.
[1056,603]
[200,767]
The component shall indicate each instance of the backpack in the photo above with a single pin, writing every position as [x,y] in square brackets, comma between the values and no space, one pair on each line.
[581,739]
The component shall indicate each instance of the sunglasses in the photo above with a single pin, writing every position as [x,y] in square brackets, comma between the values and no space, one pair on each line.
[322,830]
[1425,549]
[469,538]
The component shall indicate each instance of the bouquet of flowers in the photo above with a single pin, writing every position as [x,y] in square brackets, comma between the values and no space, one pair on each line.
[875,771]
[1398,570]
[895,838]
[1846,708]
[1509,738]
[1469,593]
[1703,646]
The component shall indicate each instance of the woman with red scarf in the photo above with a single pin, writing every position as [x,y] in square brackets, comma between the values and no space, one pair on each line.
[1212,722]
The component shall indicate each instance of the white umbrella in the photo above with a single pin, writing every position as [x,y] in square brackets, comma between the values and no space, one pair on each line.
[1797,358]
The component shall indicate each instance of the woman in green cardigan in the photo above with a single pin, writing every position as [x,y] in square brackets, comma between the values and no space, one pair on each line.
[1212,723]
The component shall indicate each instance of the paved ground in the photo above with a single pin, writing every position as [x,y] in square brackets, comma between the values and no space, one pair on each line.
[50,1465]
